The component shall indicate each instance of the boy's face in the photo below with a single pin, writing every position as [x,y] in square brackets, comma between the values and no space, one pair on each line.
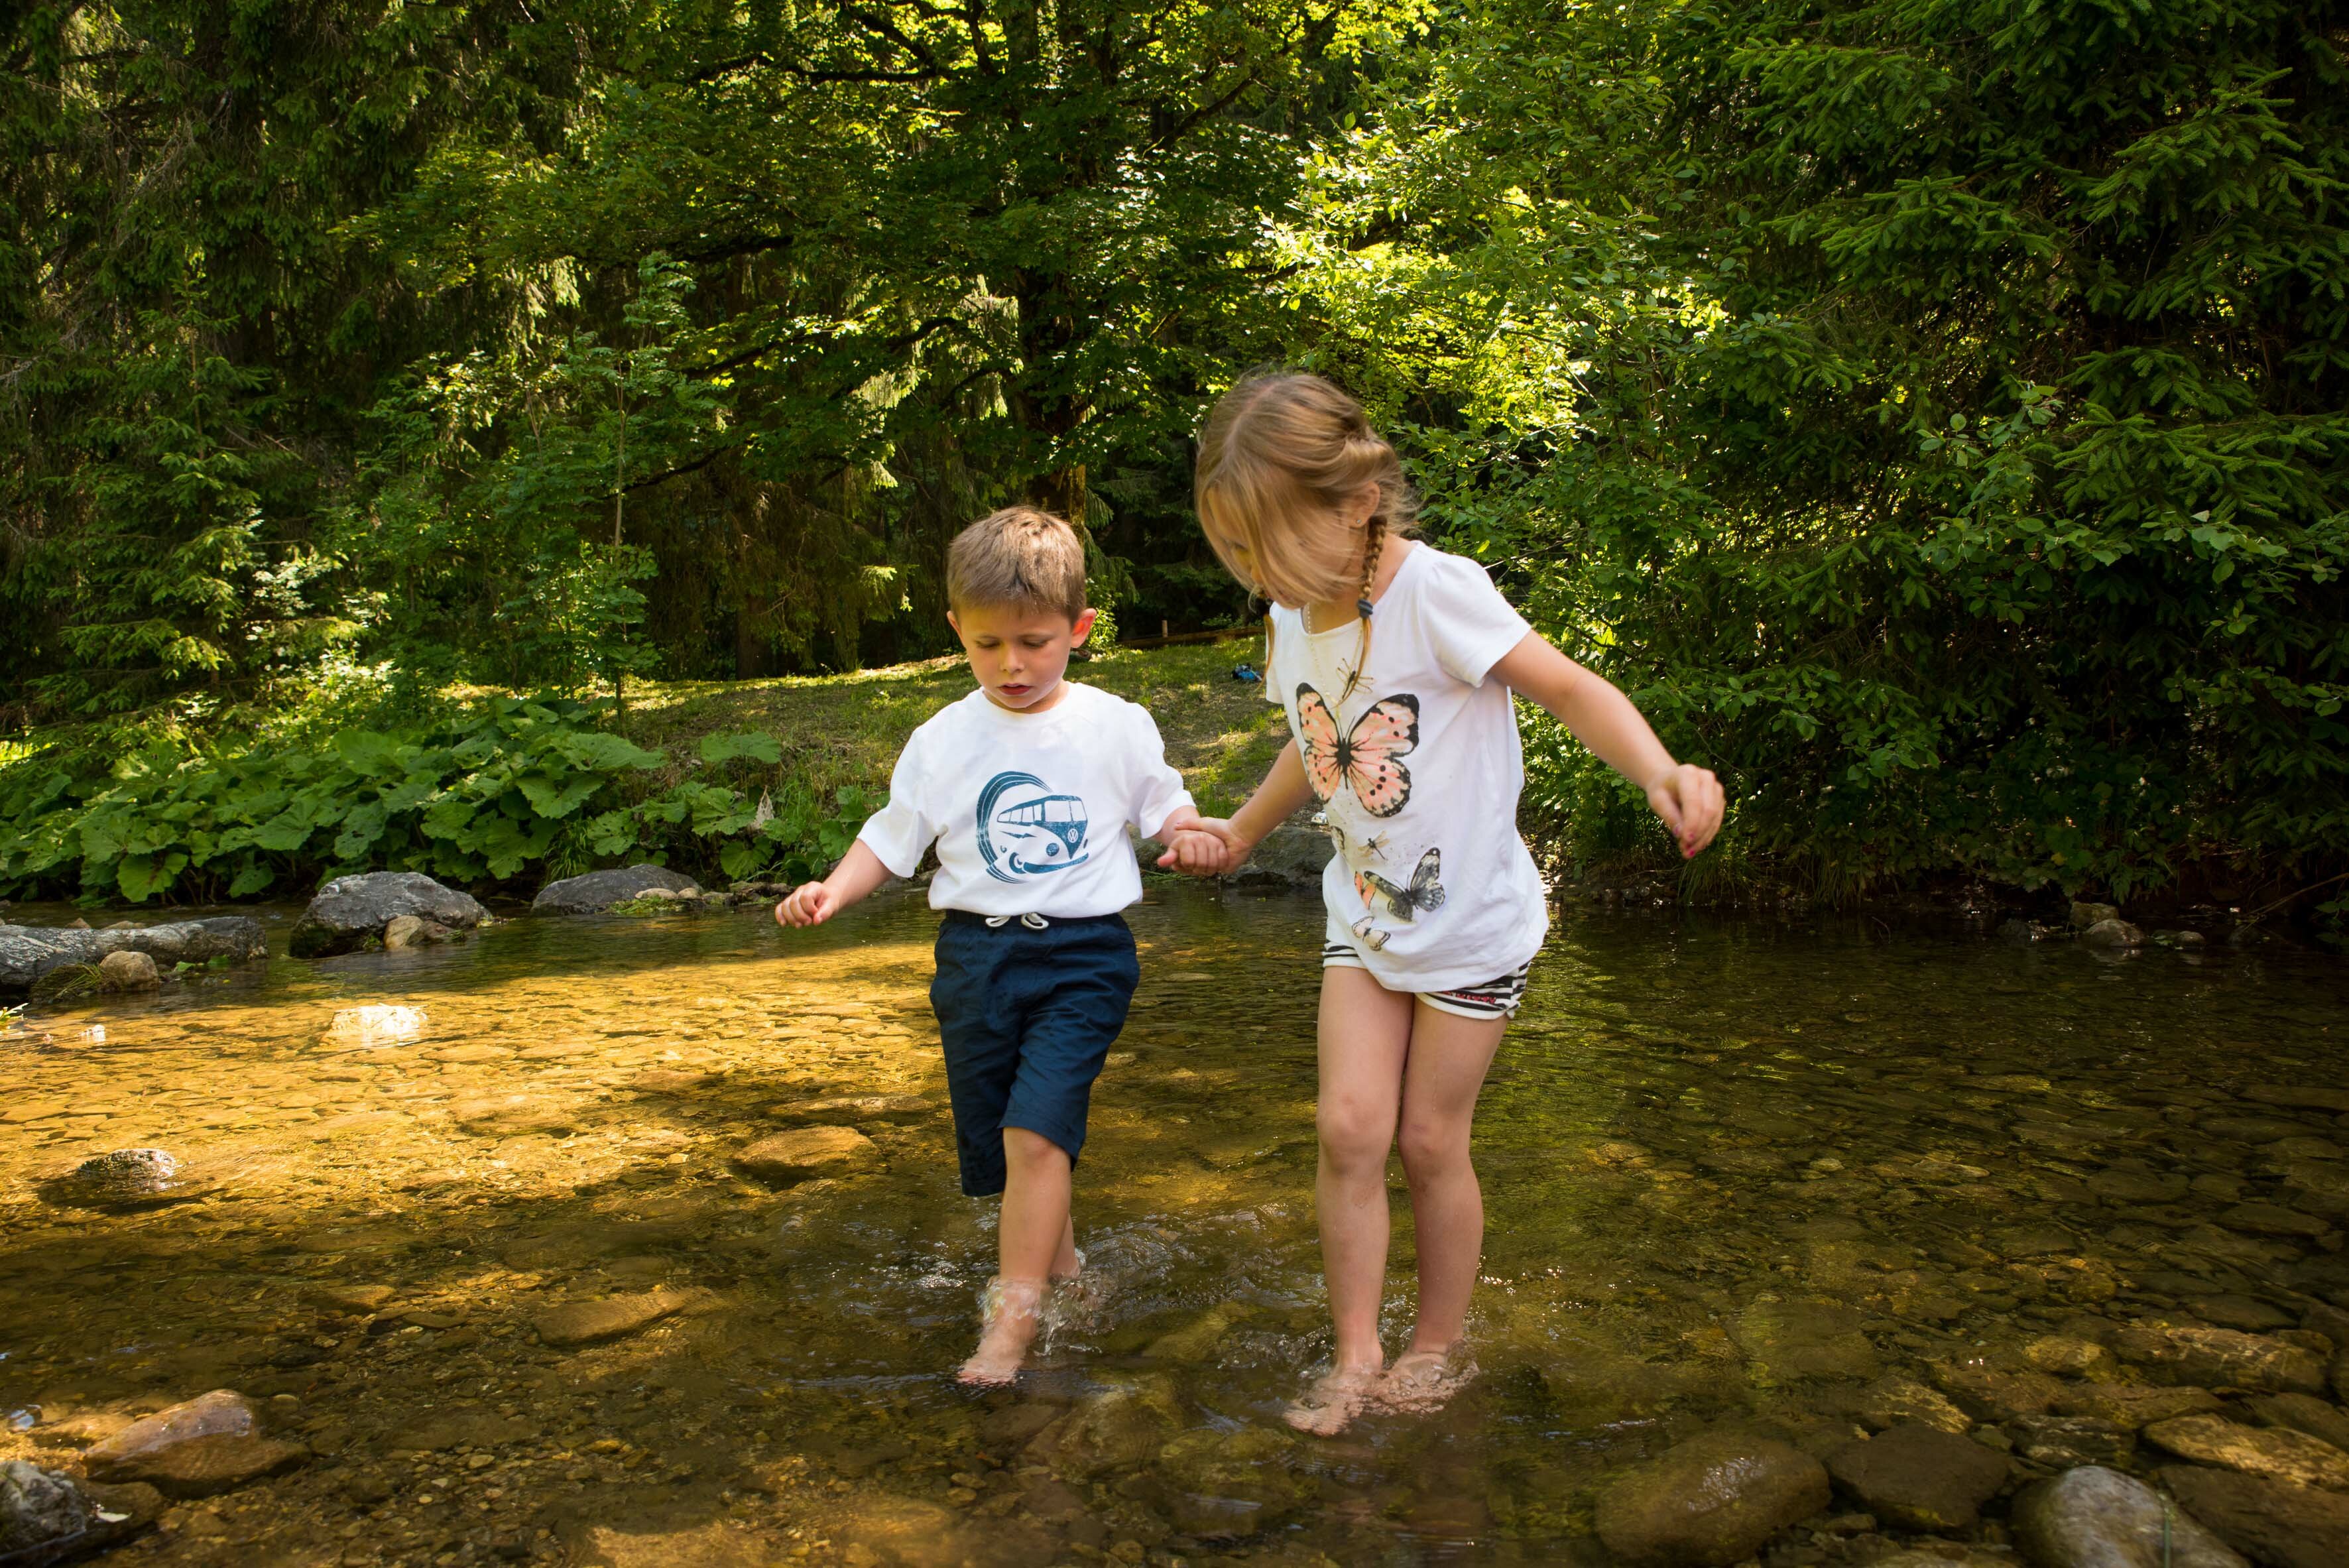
[1019,655]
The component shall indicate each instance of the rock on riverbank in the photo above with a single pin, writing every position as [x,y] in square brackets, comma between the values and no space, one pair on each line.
[349,910]
[599,891]
[29,952]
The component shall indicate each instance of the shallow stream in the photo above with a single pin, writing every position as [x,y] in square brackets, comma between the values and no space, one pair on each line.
[1738,1176]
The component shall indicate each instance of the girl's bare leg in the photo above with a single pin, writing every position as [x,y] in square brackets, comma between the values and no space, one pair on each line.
[1442,1076]
[1365,1040]
[1036,1239]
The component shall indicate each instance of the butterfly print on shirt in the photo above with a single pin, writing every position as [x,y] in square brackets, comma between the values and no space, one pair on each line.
[1425,892]
[1366,758]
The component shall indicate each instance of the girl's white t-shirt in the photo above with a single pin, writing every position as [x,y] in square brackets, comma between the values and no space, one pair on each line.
[1028,811]
[1417,769]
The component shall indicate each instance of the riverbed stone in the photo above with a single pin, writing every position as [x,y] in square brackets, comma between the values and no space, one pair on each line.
[2223,1357]
[1788,1341]
[807,1151]
[220,1413]
[208,1466]
[1123,1427]
[1995,1394]
[2068,1355]
[596,892]
[348,1300]
[2060,1443]
[1918,1477]
[858,1108]
[2134,1404]
[2278,1453]
[587,1322]
[2273,1220]
[2137,1186]
[1891,1401]
[2093,1517]
[1710,1501]
[350,910]
[1216,1484]
[128,970]
[509,1115]
[27,953]
[2085,914]
[2304,1413]
[2246,1313]
[413,931]
[2272,1523]
[2299,1097]
[378,1023]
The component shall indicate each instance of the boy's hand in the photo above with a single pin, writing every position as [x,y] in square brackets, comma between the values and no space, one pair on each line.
[1690,801]
[810,903]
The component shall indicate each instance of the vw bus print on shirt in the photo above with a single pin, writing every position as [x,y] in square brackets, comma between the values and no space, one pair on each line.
[1028,811]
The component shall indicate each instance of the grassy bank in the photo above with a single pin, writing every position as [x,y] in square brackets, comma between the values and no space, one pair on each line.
[499,792]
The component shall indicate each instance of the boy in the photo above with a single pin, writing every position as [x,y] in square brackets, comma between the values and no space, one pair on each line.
[1026,786]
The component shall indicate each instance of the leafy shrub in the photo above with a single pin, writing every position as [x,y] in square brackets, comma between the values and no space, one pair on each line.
[477,798]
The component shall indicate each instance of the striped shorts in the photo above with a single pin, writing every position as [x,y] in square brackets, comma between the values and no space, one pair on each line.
[1493,999]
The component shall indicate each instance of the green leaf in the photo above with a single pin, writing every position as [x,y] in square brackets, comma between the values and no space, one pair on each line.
[755,744]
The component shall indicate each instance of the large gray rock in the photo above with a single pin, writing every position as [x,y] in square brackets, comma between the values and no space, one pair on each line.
[29,952]
[1711,1501]
[599,891]
[349,910]
[1292,856]
[2099,1518]
[47,1518]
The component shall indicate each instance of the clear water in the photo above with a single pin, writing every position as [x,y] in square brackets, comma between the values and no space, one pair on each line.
[1734,1173]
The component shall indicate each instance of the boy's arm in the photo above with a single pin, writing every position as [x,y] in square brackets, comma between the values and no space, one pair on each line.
[1687,798]
[860,871]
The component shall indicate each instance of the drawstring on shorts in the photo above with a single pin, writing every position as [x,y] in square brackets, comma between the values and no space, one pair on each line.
[1032,922]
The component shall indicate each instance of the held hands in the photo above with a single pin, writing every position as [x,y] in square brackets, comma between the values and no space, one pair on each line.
[810,903]
[1690,801]
[1207,848]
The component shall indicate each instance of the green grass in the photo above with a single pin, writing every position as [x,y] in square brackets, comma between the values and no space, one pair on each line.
[847,729]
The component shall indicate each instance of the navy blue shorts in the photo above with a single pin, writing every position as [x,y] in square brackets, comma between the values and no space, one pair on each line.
[1027,1017]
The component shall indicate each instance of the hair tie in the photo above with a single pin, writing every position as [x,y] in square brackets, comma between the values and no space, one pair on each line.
[1364,607]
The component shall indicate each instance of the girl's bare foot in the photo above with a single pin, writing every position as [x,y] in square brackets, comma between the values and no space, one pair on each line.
[1336,1397]
[1425,1380]
[1009,1312]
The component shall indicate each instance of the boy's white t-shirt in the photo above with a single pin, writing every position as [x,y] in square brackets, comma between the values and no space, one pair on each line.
[1417,772]
[1028,811]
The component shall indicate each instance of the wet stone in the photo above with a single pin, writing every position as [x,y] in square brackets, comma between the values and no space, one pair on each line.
[378,1023]
[2273,1220]
[221,1413]
[2248,1313]
[350,910]
[2304,1413]
[1788,1341]
[129,1176]
[795,1156]
[2117,933]
[1918,1477]
[1121,1428]
[2134,1187]
[598,891]
[585,1321]
[2097,1518]
[2221,1356]
[2274,1523]
[1709,1502]
[46,1517]
[1992,1394]
[2277,1453]
[129,971]
[858,1108]
[2067,1356]
[1217,1484]
[1890,1401]
[2061,1442]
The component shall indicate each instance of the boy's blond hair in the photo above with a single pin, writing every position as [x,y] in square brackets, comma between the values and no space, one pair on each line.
[1282,457]
[1018,559]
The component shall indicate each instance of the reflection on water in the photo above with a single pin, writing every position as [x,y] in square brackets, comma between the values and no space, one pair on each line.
[1737,1177]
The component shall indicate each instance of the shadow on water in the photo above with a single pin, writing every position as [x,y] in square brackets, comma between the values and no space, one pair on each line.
[1737,1175]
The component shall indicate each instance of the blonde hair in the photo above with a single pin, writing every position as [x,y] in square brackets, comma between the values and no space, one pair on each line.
[1282,459]
[1021,558]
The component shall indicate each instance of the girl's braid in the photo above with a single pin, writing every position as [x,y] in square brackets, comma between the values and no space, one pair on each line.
[1371,548]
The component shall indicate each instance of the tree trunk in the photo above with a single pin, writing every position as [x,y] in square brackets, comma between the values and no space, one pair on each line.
[1063,493]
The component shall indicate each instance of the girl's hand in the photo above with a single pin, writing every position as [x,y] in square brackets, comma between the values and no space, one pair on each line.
[1206,847]
[810,903]
[1690,801]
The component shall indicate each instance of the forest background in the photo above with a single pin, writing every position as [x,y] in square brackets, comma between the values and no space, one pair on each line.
[1934,412]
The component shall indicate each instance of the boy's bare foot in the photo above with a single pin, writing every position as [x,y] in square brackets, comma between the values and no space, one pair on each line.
[1425,1380]
[1333,1401]
[1010,1311]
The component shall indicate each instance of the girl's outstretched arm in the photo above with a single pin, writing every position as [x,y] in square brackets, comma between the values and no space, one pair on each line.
[1687,798]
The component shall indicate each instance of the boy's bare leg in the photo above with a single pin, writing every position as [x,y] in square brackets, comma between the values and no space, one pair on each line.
[1450,1056]
[1036,1239]
[1365,1040]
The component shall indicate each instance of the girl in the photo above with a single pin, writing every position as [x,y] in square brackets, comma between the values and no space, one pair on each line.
[1396,662]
